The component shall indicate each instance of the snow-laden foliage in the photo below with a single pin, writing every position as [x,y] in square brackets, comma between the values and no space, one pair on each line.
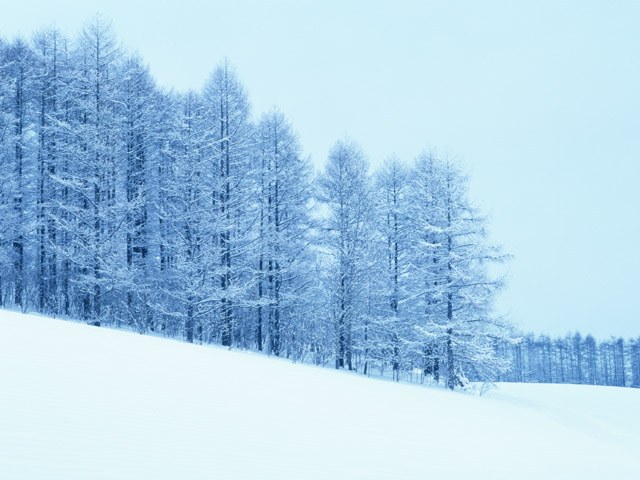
[181,214]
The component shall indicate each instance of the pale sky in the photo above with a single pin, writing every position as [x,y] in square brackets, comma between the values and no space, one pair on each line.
[540,100]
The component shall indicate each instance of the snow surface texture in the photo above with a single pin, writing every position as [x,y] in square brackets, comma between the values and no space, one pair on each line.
[80,402]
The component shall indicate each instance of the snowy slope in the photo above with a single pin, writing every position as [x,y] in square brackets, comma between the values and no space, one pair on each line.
[80,402]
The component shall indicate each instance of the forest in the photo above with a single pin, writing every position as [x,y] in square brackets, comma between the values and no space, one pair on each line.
[573,359]
[186,215]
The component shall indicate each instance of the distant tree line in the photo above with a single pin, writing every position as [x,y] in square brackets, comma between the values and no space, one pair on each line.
[572,359]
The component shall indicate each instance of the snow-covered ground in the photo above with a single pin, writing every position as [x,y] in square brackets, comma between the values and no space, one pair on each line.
[80,402]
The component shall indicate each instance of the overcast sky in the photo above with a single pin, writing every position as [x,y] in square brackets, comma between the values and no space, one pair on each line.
[541,101]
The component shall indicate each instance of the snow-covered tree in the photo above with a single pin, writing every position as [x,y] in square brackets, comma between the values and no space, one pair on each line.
[92,210]
[282,240]
[16,84]
[453,289]
[187,258]
[390,327]
[634,358]
[345,189]
[229,147]
[141,125]
[49,86]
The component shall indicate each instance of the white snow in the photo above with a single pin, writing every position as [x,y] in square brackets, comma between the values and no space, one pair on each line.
[80,402]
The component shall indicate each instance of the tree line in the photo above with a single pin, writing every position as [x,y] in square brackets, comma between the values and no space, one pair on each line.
[573,359]
[184,215]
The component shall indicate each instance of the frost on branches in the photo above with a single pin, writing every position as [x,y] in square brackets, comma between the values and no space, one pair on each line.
[184,215]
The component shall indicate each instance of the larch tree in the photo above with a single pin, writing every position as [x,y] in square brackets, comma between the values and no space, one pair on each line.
[345,189]
[285,190]
[17,70]
[45,93]
[141,122]
[634,354]
[229,146]
[453,284]
[91,173]
[6,173]
[187,258]
[591,360]
[391,328]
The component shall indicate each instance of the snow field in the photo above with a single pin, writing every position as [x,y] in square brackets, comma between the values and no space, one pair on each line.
[80,402]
